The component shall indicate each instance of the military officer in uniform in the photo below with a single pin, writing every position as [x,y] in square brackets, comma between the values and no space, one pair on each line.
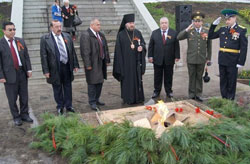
[198,53]
[233,51]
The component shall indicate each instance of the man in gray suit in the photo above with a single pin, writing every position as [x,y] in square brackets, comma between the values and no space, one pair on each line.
[59,60]
[15,69]
[95,55]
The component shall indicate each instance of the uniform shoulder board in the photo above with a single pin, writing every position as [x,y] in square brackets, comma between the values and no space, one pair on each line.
[242,27]
[206,28]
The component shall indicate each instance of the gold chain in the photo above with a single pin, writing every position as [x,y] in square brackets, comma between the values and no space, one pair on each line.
[131,41]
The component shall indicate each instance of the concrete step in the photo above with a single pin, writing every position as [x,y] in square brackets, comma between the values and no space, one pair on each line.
[34,20]
[35,25]
[38,74]
[28,6]
[35,30]
[35,54]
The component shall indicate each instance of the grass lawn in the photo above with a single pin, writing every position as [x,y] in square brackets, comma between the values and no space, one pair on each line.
[211,10]
[1,33]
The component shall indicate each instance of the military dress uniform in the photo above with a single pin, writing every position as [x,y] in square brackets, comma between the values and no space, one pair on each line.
[232,52]
[199,51]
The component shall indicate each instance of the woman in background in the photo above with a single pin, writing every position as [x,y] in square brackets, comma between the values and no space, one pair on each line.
[68,14]
[56,11]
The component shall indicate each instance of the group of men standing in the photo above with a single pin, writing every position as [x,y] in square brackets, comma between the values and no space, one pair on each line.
[59,60]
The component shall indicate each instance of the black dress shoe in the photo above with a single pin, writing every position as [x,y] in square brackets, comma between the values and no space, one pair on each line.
[18,121]
[26,119]
[100,103]
[198,99]
[170,95]
[193,98]
[71,109]
[60,111]
[155,94]
[94,107]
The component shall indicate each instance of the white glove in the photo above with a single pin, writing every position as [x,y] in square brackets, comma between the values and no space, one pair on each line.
[239,66]
[217,21]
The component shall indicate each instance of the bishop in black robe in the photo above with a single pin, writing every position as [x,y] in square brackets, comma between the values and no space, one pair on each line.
[129,64]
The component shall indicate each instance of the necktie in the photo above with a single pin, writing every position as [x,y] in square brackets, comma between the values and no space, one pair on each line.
[14,55]
[63,53]
[100,45]
[163,37]
[198,30]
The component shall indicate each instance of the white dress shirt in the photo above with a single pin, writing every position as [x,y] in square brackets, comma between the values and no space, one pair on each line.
[166,33]
[198,29]
[15,47]
[61,38]
[93,31]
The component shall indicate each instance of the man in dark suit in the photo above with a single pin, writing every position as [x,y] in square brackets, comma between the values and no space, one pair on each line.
[95,55]
[15,69]
[58,58]
[233,51]
[163,52]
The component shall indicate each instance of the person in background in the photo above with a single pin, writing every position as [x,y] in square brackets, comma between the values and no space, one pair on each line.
[15,69]
[232,53]
[68,13]
[56,11]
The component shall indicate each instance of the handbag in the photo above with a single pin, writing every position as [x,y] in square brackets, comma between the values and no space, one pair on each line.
[77,21]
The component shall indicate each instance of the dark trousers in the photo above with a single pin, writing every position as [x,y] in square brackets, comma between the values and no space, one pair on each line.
[228,79]
[167,72]
[195,72]
[19,88]
[94,92]
[63,92]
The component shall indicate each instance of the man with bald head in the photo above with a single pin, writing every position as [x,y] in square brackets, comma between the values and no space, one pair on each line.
[163,52]
[95,55]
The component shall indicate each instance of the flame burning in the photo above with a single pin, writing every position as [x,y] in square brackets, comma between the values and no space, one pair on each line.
[162,110]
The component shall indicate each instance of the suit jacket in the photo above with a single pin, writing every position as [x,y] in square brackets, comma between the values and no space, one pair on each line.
[160,52]
[90,52]
[51,61]
[236,40]
[199,46]
[7,69]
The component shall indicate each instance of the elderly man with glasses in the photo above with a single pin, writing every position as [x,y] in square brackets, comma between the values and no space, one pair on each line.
[15,69]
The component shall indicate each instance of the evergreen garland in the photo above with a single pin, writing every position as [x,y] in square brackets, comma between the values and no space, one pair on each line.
[114,143]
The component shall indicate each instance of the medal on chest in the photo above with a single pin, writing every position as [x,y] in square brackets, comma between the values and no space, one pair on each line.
[132,46]
[235,35]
